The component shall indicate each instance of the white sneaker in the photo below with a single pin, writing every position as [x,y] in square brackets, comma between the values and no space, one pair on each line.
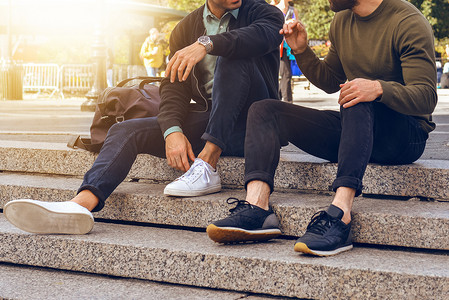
[200,179]
[49,217]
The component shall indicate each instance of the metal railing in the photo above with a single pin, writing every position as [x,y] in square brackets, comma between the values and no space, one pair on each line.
[41,77]
[76,79]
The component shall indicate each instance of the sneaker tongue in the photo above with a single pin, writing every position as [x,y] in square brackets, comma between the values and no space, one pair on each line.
[335,212]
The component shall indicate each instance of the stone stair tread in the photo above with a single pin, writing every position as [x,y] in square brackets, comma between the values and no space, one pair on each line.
[413,223]
[188,257]
[44,283]
[425,178]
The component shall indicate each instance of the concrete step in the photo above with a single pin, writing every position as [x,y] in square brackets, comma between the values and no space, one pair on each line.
[190,258]
[426,178]
[412,223]
[23,282]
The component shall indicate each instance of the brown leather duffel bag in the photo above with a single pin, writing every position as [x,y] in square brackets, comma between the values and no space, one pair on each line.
[117,104]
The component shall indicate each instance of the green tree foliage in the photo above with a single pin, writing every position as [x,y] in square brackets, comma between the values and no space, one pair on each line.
[316,15]
[186,5]
[437,12]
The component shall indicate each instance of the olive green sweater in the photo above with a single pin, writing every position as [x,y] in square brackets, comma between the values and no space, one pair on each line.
[394,45]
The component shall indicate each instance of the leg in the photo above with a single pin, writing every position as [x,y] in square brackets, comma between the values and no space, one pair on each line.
[285,84]
[269,122]
[124,141]
[227,124]
[225,131]
[370,132]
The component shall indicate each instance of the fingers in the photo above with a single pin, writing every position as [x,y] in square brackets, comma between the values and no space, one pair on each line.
[182,63]
[178,150]
[190,153]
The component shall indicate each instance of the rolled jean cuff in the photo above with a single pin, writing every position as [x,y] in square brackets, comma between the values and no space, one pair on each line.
[350,182]
[207,137]
[261,176]
[97,193]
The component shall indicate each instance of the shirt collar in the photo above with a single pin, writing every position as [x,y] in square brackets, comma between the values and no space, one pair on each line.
[207,13]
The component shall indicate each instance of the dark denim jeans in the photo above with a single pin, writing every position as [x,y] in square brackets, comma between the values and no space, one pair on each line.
[237,85]
[366,132]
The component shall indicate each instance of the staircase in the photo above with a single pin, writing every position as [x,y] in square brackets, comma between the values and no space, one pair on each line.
[145,245]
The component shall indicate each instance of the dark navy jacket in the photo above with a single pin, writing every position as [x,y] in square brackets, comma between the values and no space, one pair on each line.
[253,35]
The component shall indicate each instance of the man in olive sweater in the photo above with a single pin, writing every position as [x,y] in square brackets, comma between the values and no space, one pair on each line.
[382,61]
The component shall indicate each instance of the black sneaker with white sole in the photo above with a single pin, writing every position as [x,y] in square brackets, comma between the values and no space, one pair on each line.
[326,234]
[245,223]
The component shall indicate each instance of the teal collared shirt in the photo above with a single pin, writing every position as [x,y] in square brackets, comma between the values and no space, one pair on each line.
[206,66]
[213,26]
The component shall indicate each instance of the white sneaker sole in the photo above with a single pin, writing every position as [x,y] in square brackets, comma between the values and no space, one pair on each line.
[191,193]
[32,217]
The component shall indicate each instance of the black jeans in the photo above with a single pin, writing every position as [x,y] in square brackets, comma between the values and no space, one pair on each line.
[366,132]
[224,125]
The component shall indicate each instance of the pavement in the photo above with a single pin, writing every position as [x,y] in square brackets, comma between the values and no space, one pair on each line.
[43,119]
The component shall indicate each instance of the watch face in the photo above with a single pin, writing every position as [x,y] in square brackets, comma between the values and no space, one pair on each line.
[206,42]
[204,39]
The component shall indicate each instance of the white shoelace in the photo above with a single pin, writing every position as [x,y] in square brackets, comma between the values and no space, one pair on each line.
[198,168]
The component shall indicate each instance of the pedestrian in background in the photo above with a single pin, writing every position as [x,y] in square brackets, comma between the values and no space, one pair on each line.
[152,53]
[285,68]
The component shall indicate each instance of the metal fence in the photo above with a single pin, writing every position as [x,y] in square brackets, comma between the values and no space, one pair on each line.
[76,79]
[41,77]
[73,79]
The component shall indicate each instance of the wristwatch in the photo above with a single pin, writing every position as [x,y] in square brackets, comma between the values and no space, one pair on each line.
[206,42]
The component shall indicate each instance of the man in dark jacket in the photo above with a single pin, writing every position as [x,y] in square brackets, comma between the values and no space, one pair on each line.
[228,46]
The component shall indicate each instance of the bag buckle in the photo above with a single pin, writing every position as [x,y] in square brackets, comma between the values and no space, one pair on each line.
[119,119]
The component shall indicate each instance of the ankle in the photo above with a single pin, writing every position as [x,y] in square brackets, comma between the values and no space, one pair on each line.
[258,194]
[344,197]
[210,154]
[86,199]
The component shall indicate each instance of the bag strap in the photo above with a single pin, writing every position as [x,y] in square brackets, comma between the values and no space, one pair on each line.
[147,79]
[77,142]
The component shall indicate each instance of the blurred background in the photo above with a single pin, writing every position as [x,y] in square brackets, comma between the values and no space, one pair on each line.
[73,48]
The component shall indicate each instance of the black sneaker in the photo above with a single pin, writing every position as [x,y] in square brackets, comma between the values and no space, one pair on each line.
[246,223]
[326,234]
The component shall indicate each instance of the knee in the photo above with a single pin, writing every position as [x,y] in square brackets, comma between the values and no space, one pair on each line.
[123,129]
[362,109]
[262,109]
[235,66]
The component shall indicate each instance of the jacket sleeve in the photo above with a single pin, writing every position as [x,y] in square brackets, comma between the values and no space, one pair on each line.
[176,96]
[417,94]
[258,38]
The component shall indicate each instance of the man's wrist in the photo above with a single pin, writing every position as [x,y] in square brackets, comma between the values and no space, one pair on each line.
[205,41]
[171,130]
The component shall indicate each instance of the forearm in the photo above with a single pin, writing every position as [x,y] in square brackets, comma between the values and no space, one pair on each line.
[255,40]
[325,74]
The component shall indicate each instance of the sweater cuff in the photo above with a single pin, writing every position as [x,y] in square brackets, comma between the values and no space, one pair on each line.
[387,91]
[171,130]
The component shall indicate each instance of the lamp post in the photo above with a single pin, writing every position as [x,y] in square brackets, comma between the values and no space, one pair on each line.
[99,61]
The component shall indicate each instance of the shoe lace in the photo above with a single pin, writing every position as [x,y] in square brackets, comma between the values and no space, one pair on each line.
[241,204]
[320,223]
[198,168]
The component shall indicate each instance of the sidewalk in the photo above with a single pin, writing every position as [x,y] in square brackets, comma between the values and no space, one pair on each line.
[55,120]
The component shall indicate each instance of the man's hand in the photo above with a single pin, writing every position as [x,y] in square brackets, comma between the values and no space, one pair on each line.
[359,90]
[183,61]
[295,35]
[178,151]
